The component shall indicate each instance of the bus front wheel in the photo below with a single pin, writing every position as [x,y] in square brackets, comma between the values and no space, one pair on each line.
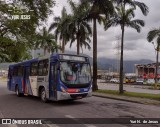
[43,95]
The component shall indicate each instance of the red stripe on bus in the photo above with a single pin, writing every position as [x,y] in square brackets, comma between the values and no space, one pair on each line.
[23,87]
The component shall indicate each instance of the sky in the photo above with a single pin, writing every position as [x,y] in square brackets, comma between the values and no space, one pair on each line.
[136,46]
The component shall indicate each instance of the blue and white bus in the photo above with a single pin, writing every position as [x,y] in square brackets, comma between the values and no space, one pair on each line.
[57,77]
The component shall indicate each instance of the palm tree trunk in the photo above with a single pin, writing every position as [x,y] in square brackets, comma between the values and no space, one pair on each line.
[121,64]
[78,44]
[44,51]
[157,64]
[95,87]
[63,46]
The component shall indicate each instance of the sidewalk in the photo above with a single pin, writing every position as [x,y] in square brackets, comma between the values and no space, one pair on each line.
[127,98]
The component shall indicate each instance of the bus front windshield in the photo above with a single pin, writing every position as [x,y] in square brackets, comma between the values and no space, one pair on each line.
[75,73]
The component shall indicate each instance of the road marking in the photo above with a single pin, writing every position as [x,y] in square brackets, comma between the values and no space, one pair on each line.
[87,125]
[12,125]
[69,116]
[50,125]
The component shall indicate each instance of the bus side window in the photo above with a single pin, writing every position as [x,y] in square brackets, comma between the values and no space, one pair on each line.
[45,67]
[20,71]
[40,68]
[33,69]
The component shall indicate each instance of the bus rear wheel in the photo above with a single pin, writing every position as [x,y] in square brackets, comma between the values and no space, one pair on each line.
[43,95]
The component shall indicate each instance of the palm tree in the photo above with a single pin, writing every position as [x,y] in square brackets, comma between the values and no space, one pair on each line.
[60,25]
[46,41]
[85,43]
[99,10]
[153,34]
[80,30]
[124,17]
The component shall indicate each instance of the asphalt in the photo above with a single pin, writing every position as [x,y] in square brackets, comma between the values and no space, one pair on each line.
[127,98]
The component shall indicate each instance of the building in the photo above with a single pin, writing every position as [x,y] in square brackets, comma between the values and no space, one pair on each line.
[146,70]
[3,73]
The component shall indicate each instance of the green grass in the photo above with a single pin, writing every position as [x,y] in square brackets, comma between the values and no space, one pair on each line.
[3,78]
[131,94]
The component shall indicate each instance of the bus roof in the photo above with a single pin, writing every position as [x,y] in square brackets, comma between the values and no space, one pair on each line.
[55,55]
[24,62]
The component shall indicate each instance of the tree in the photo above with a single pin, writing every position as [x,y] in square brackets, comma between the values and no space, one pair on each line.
[11,50]
[15,34]
[46,41]
[155,34]
[80,30]
[99,10]
[60,25]
[124,17]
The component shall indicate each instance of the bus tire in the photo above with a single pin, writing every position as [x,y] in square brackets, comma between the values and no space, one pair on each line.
[43,95]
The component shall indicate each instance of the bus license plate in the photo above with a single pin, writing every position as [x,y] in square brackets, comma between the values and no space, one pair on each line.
[78,97]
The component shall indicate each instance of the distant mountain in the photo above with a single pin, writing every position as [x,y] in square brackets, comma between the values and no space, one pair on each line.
[112,64]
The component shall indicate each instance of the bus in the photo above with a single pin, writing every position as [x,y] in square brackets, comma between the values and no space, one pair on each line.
[57,77]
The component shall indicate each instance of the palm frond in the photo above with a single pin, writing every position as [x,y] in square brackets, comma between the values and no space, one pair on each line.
[139,22]
[112,22]
[72,6]
[130,13]
[53,26]
[153,34]
[133,25]
[143,7]
[63,12]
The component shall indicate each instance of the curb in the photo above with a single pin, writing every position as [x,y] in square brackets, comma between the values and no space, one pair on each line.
[120,99]
[141,101]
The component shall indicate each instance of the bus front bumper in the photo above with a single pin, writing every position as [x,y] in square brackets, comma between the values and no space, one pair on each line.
[68,96]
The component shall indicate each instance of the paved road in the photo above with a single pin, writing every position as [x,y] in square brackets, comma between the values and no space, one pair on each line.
[131,88]
[93,107]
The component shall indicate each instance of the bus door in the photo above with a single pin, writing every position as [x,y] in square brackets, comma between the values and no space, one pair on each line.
[53,82]
[26,84]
